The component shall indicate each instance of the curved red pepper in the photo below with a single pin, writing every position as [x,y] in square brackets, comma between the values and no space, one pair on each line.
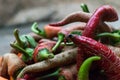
[104,13]
[109,62]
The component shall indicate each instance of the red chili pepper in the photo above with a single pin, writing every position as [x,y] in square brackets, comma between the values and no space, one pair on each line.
[109,62]
[80,16]
[104,13]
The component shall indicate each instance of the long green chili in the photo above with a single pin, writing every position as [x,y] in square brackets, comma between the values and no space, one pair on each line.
[83,73]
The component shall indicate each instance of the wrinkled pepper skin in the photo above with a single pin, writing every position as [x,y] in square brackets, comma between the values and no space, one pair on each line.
[104,13]
[109,62]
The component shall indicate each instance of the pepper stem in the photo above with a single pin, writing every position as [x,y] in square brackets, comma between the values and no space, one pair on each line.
[61,78]
[84,8]
[31,41]
[60,39]
[36,30]
[18,40]
[44,54]
[83,73]
[54,74]
[20,49]
[115,36]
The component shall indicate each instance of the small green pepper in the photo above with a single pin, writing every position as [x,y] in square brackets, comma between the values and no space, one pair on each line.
[84,8]
[114,36]
[83,73]
[36,30]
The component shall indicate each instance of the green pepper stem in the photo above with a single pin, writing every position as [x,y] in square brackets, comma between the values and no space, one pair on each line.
[83,73]
[60,39]
[19,42]
[61,78]
[44,54]
[114,36]
[84,8]
[56,74]
[36,30]
[20,49]
[31,41]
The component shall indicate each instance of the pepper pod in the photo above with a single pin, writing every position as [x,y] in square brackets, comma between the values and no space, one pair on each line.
[84,70]
[109,63]
[43,50]
[103,13]
[11,65]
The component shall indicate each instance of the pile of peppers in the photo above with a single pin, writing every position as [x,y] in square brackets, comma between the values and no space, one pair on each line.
[94,59]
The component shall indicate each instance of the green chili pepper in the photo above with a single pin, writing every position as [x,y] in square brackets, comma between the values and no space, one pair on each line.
[60,39]
[83,73]
[54,74]
[44,54]
[36,30]
[84,8]
[113,36]
[27,53]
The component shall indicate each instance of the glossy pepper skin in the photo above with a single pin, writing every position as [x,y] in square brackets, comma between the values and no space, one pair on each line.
[109,62]
[104,13]
[83,73]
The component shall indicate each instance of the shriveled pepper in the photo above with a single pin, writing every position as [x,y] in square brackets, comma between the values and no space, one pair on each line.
[84,8]
[104,13]
[114,36]
[83,73]
[109,63]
